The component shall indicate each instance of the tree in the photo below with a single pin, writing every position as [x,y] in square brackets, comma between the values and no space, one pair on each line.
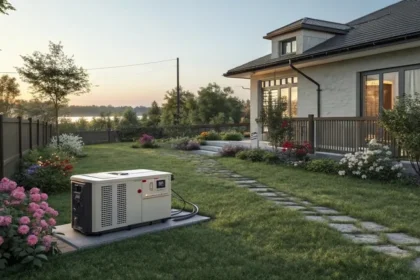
[153,115]
[37,109]
[246,111]
[5,6]
[169,108]
[129,118]
[9,90]
[54,76]
[403,122]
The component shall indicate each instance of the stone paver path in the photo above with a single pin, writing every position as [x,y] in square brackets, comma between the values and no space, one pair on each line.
[365,233]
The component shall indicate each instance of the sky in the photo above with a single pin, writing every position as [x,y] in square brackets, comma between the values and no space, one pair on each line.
[209,37]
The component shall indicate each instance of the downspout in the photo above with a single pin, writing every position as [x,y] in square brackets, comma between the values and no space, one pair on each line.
[313,81]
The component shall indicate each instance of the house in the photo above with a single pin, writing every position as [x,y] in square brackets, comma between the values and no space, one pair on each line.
[332,69]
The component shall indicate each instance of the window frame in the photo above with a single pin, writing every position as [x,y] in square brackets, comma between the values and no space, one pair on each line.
[283,49]
[401,83]
[289,86]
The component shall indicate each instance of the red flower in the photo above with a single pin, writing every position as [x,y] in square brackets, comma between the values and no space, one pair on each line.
[287,145]
[284,124]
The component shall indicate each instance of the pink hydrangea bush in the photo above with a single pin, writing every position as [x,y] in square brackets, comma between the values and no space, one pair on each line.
[148,141]
[26,226]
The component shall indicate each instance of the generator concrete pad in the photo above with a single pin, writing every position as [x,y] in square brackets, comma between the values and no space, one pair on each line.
[80,241]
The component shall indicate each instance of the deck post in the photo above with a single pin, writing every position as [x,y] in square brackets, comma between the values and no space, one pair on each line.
[311,132]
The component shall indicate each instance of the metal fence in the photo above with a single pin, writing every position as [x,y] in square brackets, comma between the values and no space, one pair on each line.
[17,136]
[342,134]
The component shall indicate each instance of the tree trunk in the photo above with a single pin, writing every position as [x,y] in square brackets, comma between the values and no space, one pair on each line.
[56,125]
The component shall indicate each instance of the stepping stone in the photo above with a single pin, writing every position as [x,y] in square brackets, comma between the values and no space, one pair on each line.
[246,182]
[235,176]
[391,250]
[315,218]
[305,202]
[287,203]
[259,190]
[346,228]
[261,186]
[374,227]
[295,208]
[402,239]
[416,264]
[363,238]
[415,248]
[309,213]
[342,219]
[267,194]
[244,186]
[277,198]
[325,210]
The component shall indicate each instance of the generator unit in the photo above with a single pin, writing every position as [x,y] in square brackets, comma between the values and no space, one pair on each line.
[111,201]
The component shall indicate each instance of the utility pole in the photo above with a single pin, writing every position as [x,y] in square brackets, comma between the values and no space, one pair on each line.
[177,92]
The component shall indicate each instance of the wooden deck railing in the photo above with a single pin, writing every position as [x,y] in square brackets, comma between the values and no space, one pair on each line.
[342,134]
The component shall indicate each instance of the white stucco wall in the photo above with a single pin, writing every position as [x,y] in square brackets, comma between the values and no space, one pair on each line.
[338,82]
[311,38]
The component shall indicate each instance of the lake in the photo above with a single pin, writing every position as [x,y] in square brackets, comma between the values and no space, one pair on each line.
[88,118]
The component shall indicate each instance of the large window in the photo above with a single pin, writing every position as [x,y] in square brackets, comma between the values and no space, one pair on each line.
[282,88]
[381,88]
[288,46]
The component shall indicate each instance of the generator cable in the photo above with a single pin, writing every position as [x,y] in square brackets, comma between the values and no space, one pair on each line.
[187,216]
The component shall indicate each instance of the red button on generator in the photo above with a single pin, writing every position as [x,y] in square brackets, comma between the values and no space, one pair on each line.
[139,191]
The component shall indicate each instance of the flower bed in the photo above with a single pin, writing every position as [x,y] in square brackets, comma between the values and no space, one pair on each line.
[26,225]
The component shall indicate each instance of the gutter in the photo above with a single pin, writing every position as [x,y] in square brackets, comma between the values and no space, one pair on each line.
[318,90]
[375,44]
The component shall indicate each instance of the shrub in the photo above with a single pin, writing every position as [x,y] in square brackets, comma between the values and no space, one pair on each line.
[232,136]
[192,145]
[185,144]
[297,151]
[209,135]
[26,226]
[69,143]
[258,155]
[231,150]
[403,122]
[135,145]
[375,163]
[148,141]
[50,172]
[202,142]
[328,166]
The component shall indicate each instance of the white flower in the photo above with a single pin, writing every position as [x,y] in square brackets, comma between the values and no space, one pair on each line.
[371,168]
[377,152]
[296,164]
[386,148]
[374,164]
[386,159]
[399,175]
[365,162]
[69,143]
[342,173]
[377,169]
[388,153]
[373,142]
[364,176]
[360,163]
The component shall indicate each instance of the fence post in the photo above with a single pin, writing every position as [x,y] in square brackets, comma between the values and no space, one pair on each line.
[20,136]
[51,133]
[30,133]
[311,132]
[44,131]
[37,133]
[1,148]
[109,135]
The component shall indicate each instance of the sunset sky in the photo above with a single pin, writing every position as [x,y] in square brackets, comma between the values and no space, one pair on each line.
[209,37]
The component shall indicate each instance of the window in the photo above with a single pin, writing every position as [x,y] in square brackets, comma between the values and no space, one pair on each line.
[282,88]
[380,89]
[288,46]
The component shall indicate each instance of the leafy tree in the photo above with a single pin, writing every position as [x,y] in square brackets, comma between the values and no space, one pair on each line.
[9,90]
[403,122]
[37,109]
[54,76]
[246,111]
[169,108]
[153,115]
[129,118]
[82,124]
[5,6]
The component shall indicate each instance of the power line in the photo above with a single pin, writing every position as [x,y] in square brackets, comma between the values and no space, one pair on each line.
[112,67]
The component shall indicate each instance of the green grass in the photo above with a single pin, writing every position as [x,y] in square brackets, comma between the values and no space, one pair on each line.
[247,238]
[393,205]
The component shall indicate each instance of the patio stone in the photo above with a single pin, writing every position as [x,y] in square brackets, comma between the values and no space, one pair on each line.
[346,228]
[267,194]
[342,219]
[325,210]
[315,218]
[246,182]
[374,227]
[235,176]
[305,202]
[363,238]
[402,239]
[415,248]
[293,207]
[286,203]
[258,190]
[260,186]
[416,264]
[276,198]
[391,250]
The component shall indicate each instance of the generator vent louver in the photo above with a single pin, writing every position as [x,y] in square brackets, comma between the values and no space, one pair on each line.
[121,204]
[106,207]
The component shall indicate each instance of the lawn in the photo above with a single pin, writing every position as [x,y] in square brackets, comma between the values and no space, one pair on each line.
[247,238]
[393,205]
